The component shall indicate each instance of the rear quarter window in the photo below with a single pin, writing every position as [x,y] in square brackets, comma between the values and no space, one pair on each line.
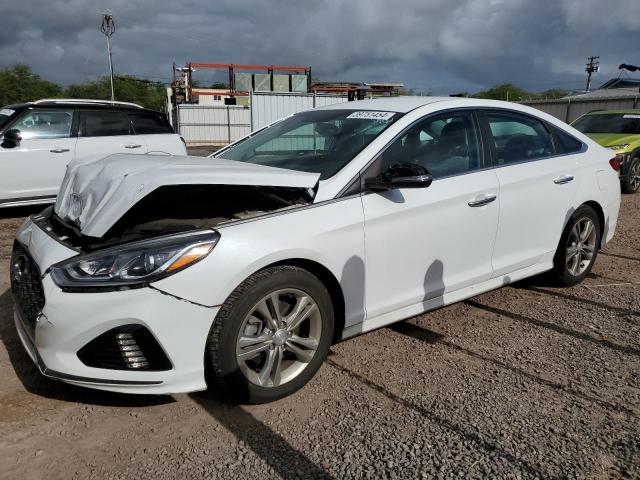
[147,123]
[565,143]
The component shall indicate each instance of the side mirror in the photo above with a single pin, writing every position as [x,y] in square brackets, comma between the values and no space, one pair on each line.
[11,138]
[400,175]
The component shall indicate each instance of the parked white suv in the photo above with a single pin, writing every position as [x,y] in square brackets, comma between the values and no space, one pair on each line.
[40,138]
[152,276]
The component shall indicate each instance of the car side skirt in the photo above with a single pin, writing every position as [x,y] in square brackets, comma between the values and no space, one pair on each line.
[24,202]
[545,264]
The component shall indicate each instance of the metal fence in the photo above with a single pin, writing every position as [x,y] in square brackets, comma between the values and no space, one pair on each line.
[266,108]
[568,109]
[209,125]
[220,125]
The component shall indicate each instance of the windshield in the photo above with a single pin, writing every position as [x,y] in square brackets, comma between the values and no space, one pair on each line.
[5,115]
[317,141]
[609,123]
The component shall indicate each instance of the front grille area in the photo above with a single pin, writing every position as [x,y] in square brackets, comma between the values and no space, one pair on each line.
[128,347]
[26,285]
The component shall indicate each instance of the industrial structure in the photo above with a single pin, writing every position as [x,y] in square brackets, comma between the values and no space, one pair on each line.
[271,78]
[243,79]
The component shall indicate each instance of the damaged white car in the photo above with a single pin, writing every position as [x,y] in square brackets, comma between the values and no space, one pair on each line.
[168,274]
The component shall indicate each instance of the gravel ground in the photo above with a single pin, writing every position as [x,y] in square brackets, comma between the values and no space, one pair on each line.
[523,382]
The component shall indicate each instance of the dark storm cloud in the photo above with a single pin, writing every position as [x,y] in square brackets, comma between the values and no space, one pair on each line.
[437,45]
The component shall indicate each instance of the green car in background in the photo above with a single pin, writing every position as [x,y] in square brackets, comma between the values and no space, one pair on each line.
[618,130]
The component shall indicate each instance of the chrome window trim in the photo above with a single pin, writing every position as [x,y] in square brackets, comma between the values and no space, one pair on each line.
[482,150]
[546,124]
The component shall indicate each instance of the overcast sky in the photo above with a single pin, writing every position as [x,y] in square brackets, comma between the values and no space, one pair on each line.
[438,46]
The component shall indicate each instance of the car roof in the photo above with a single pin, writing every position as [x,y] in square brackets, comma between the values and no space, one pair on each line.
[82,103]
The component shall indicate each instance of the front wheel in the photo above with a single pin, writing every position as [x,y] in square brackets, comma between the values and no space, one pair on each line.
[578,247]
[270,336]
[631,182]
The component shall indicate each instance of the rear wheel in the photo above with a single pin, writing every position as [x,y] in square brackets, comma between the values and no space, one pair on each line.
[578,247]
[270,336]
[631,182]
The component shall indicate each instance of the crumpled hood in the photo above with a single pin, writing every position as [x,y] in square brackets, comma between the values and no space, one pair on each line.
[95,194]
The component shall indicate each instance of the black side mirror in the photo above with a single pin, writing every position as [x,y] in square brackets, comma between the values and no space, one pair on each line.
[400,175]
[11,138]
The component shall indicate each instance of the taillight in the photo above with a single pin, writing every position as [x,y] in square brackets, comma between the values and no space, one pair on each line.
[615,164]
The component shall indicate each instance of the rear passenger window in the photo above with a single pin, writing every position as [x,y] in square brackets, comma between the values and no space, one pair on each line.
[518,138]
[146,123]
[565,143]
[105,123]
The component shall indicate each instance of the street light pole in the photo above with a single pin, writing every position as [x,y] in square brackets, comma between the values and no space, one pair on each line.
[108,27]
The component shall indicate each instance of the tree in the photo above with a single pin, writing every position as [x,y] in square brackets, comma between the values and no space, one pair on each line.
[554,93]
[127,89]
[506,91]
[19,84]
[220,85]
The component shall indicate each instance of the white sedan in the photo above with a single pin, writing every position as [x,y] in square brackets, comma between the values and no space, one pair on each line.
[171,274]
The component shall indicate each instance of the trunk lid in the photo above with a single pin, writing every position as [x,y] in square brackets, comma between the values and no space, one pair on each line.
[95,194]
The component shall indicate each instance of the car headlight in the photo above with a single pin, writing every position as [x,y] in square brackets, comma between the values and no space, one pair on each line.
[622,146]
[135,263]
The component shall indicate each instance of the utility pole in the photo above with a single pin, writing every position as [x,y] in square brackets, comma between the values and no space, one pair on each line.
[108,27]
[592,67]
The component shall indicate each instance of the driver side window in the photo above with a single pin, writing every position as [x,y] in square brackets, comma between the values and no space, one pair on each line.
[444,144]
[51,123]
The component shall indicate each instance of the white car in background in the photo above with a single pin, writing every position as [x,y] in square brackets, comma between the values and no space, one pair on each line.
[40,138]
[169,274]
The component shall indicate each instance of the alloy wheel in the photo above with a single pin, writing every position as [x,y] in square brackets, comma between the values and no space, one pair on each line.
[581,246]
[279,337]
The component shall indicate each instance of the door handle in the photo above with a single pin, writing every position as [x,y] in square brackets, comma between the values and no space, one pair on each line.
[132,145]
[563,179]
[59,150]
[483,200]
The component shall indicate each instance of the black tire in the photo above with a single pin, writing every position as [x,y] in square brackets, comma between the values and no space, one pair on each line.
[630,183]
[561,274]
[221,365]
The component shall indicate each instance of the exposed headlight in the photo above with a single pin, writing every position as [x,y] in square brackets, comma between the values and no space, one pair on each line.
[135,263]
[622,146]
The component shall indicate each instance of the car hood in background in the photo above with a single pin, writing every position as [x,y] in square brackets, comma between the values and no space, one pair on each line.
[95,194]
[608,139]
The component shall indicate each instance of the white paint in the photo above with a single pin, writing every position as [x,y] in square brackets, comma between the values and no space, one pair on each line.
[33,171]
[95,194]
[394,254]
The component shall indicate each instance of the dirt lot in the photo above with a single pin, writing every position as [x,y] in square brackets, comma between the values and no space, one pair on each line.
[524,382]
